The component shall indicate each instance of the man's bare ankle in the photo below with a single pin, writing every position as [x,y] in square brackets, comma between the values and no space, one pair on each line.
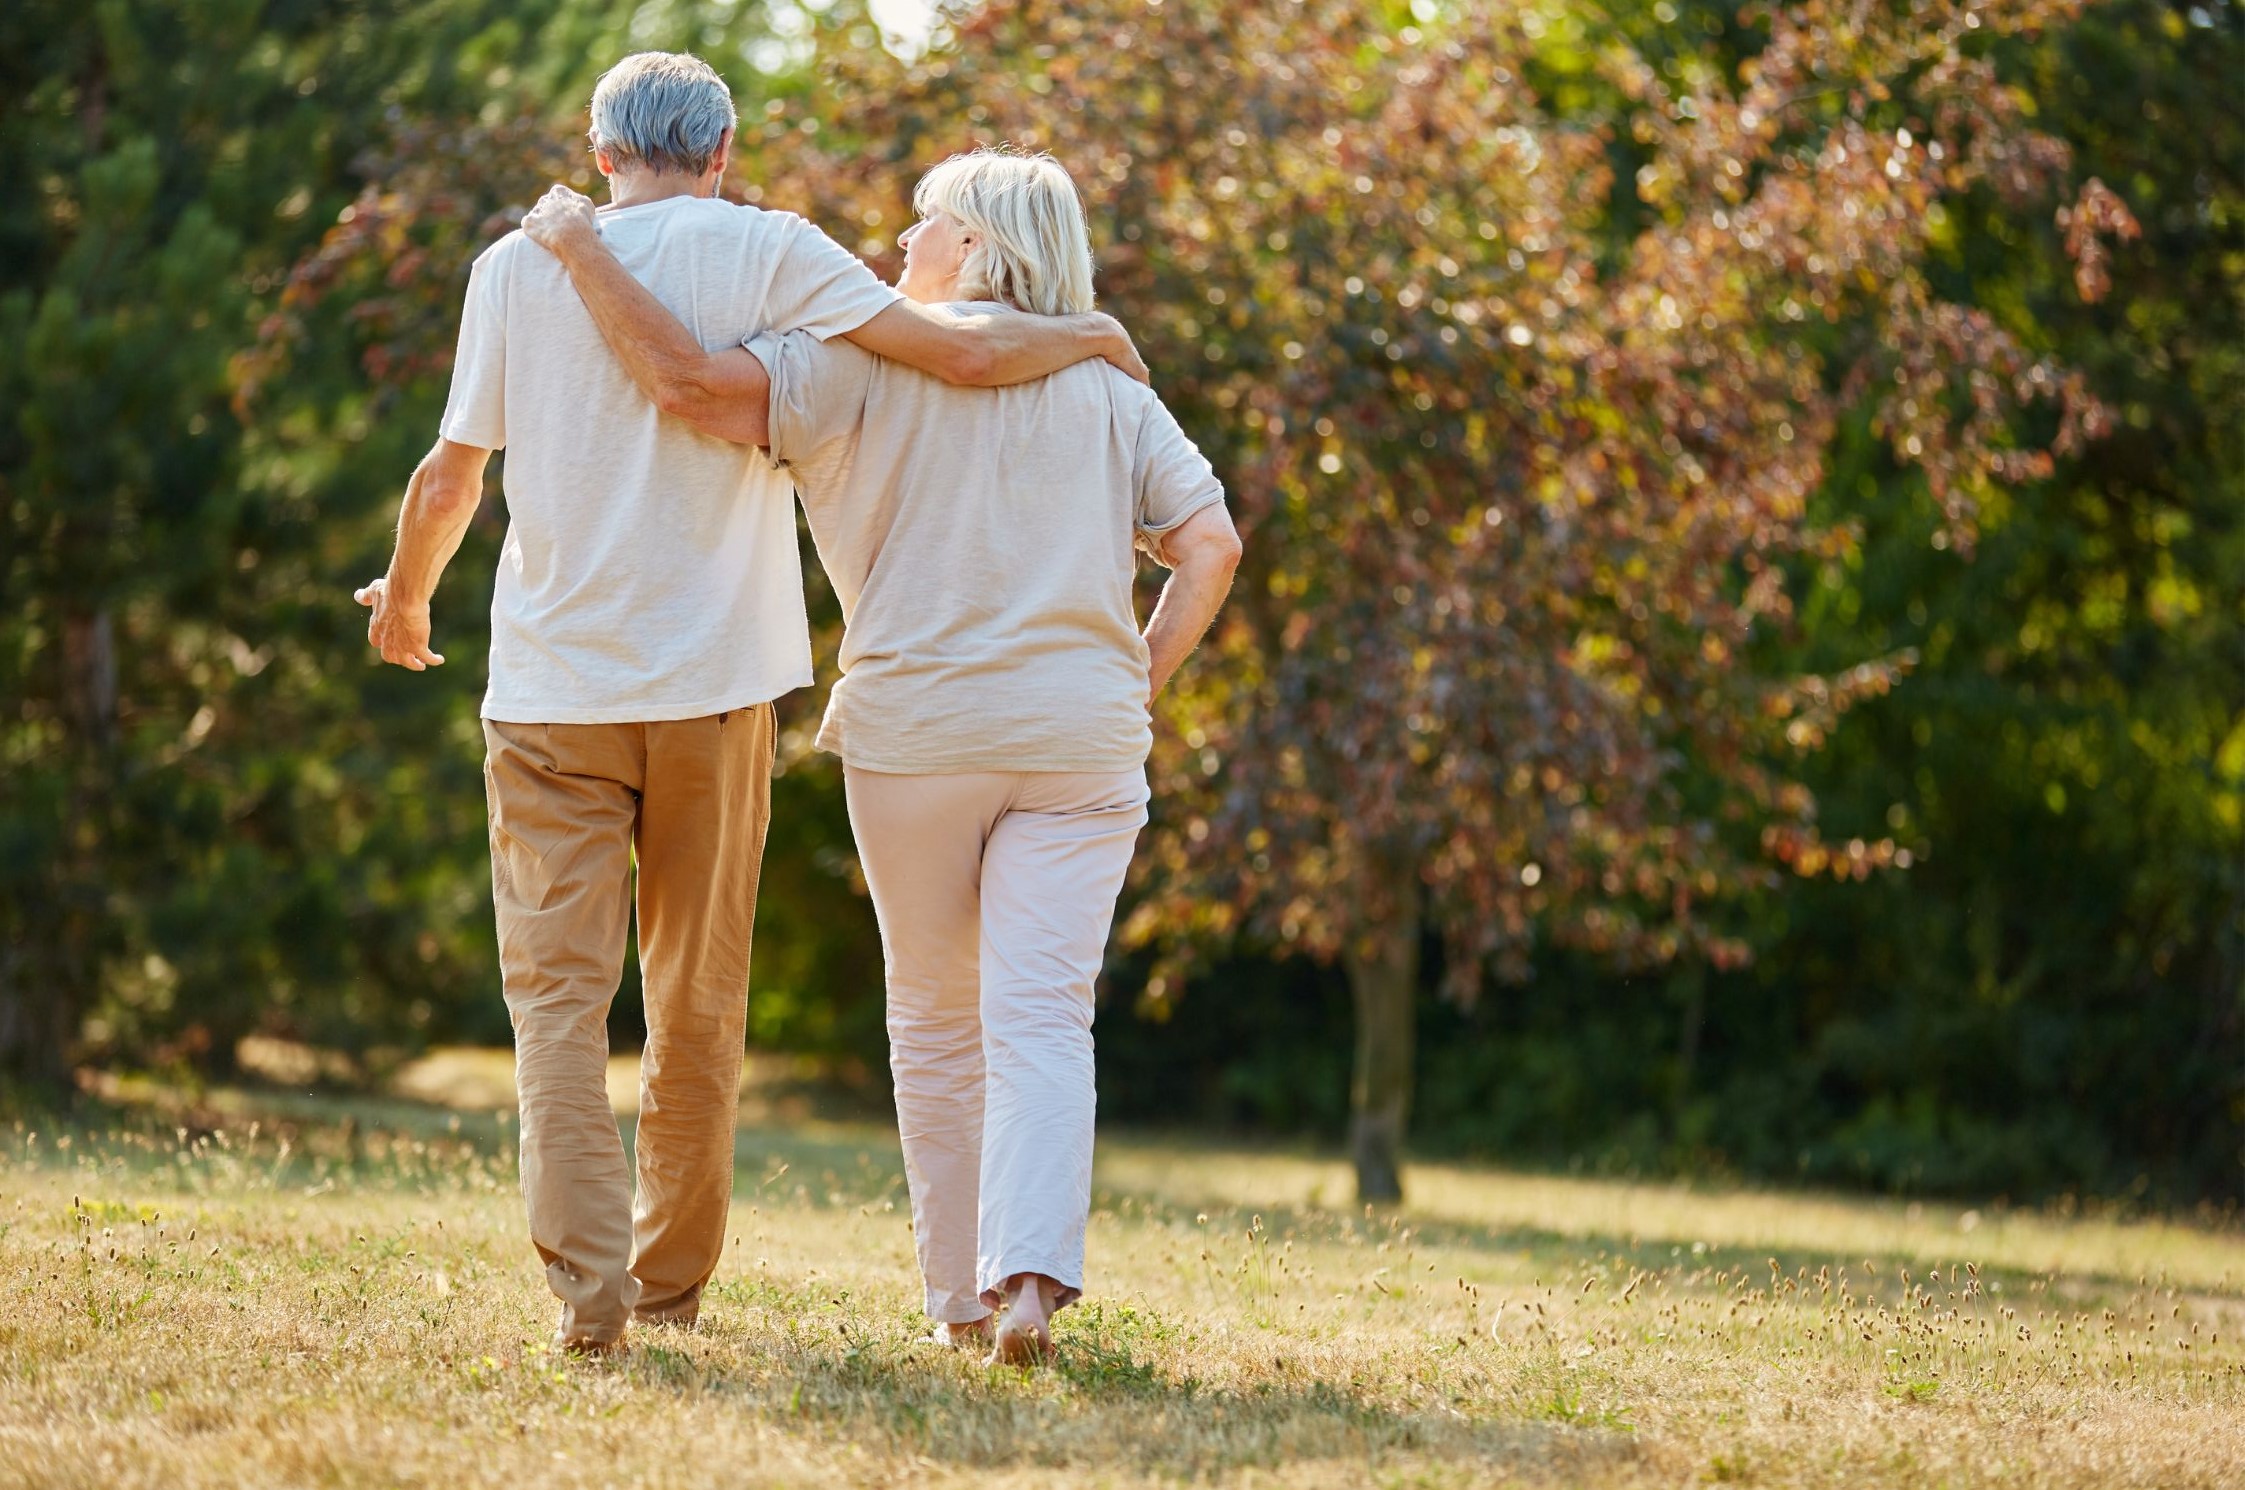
[590,1350]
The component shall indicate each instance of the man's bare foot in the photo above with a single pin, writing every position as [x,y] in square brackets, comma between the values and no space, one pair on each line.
[961,1336]
[666,1321]
[590,1350]
[1024,1329]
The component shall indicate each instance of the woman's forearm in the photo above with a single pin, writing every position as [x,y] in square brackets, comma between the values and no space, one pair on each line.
[1202,554]
[1189,601]
[725,394]
[654,346]
[989,351]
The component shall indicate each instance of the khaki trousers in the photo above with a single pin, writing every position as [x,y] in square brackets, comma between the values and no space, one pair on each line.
[572,807]
[995,893]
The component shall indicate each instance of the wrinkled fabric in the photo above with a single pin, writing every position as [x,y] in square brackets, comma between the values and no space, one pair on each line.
[983,544]
[570,806]
[649,571]
[995,893]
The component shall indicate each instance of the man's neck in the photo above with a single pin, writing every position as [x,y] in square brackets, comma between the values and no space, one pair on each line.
[638,188]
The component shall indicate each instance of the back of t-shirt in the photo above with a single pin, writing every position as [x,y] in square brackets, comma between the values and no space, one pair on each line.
[649,572]
[982,543]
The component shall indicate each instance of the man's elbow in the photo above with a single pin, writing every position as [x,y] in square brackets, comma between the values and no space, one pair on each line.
[451,497]
[680,396]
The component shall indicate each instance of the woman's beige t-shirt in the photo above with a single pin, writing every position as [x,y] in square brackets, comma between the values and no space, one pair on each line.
[982,542]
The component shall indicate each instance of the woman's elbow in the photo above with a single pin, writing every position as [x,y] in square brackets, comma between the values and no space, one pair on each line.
[1213,546]
[720,417]
[1229,550]
[690,403]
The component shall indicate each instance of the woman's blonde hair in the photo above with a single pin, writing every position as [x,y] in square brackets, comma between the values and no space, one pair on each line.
[1033,248]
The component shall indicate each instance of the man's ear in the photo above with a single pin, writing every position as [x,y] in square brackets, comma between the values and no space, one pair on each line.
[724,157]
[602,162]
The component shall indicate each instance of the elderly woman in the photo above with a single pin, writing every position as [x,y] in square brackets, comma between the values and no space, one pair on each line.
[992,714]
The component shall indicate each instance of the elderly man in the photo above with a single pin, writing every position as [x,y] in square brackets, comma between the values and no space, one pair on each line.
[649,609]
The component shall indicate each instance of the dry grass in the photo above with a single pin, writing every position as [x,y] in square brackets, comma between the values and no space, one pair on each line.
[309,1294]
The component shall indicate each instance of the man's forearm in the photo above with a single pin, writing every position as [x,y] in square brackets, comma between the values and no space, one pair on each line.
[440,501]
[431,523]
[1187,606]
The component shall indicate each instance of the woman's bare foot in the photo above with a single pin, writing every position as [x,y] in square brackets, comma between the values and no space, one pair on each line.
[1024,1329]
[974,1332]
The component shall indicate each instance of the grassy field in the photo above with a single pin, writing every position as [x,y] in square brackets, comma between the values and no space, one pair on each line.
[267,1291]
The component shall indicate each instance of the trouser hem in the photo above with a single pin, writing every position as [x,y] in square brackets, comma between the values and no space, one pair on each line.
[993,1294]
[956,1311]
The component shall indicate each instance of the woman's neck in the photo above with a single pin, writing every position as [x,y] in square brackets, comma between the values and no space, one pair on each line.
[938,293]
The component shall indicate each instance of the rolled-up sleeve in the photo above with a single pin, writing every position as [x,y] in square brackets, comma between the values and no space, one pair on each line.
[818,390]
[1174,479]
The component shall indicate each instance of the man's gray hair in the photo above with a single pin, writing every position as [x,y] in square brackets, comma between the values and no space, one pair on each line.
[661,111]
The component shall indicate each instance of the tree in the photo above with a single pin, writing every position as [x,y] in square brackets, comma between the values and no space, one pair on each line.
[1521,357]
[1521,452]
[206,825]
[2050,1000]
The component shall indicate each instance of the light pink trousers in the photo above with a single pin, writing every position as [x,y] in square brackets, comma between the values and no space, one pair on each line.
[995,893]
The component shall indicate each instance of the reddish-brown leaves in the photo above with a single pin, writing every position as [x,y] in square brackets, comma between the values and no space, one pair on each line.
[1518,490]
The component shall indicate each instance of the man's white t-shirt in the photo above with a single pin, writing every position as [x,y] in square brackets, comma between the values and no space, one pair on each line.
[650,572]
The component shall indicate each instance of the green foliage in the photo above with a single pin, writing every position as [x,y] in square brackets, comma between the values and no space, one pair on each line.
[214,814]
[217,814]
[2047,996]
[231,279]
[2053,995]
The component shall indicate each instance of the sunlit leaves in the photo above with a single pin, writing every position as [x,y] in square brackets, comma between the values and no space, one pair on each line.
[1519,483]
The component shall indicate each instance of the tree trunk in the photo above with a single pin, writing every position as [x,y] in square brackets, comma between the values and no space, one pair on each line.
[1383,969]
[89,662]
[48,970]
[37,1023]
[1687,1045]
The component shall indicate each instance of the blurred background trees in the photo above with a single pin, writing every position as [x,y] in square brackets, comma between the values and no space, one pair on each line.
[1577,522]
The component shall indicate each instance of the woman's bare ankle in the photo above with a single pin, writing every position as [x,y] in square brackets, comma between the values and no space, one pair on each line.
[1024,1329]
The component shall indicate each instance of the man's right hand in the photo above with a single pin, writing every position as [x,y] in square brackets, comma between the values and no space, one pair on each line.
[563,220]
[400,632]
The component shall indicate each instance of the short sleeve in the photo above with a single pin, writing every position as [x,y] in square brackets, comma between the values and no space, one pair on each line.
[818,390]
[475,413]
[1174,479]
[821,287]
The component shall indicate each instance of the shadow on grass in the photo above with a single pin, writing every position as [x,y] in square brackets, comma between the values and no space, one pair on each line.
[1555,1254]
[1114,1395]
[834,1165]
